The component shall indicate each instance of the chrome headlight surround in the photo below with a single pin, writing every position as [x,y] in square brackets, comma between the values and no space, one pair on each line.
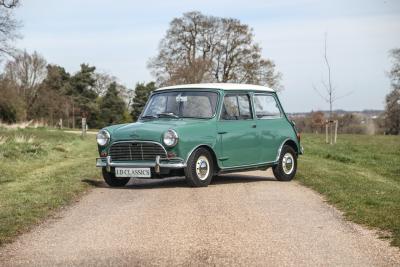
[103,138]
[170,138]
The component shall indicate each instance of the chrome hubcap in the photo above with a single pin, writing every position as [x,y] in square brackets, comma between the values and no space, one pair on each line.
[202,168]
[288,163]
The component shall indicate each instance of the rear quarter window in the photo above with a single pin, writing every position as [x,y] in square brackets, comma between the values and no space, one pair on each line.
[266,106]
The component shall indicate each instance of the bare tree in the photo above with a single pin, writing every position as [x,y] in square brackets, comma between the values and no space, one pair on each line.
[8,27]
[27,71]
[127,94]
[9,4]
[392,111]
[330,93]
[11,103]
[394,73]
[103,82]
[199,48]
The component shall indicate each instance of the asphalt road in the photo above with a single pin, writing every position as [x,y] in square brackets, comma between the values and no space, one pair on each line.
[243,219]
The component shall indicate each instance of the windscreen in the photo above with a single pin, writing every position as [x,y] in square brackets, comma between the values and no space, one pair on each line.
[182,104]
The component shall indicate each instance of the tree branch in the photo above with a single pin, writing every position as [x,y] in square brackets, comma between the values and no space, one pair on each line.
[9,4]
[319,93]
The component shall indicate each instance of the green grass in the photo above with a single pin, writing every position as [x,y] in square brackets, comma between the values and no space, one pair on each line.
[40,170]
[360,175]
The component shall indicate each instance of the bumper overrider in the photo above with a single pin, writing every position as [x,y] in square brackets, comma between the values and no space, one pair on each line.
[157,164]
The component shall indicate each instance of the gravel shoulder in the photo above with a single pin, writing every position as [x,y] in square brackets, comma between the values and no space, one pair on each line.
[240,219]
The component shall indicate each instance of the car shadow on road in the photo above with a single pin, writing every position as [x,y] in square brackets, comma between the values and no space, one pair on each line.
[176,182]
[239,178]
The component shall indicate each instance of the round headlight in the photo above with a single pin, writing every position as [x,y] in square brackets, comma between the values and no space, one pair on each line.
[103,137]
[170,138]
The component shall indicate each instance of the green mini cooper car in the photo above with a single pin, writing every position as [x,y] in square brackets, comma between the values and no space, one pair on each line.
[199,131]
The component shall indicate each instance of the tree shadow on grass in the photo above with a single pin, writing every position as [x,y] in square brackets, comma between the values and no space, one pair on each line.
[179,182]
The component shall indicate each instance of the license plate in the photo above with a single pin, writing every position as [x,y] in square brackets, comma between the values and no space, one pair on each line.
[133,172]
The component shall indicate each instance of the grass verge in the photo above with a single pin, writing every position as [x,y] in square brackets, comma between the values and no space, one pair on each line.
[360,175]
[40,171]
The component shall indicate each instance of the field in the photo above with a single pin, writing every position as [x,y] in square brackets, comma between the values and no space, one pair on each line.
[40,171]
[360,175]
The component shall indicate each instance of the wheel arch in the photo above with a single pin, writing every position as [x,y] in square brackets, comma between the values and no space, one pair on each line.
[212,152]
[291,143]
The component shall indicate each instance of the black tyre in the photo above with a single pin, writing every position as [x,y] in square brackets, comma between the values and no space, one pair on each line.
[200,168]
[112,181]
[286,168]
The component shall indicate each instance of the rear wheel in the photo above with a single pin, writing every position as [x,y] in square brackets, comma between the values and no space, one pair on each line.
[286,168]
[200,168]
[113,181]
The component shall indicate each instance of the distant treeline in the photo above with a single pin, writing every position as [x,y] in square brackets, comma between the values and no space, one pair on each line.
[348,122]
[196,48]
[31,89]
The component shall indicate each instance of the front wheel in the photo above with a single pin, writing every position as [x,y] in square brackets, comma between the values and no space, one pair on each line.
[286,168]
[200,168]
[112,181]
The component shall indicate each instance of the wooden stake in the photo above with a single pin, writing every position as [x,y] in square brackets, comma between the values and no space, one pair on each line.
[326,133]
[336,127]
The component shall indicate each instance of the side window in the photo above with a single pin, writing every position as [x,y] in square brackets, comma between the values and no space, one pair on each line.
[266,106]
[244,107]
[236,107]
[230,110]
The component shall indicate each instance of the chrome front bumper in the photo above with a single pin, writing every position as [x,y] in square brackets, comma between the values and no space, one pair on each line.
[157,164]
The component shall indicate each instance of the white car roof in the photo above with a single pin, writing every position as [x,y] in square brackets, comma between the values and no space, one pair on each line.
[222,86]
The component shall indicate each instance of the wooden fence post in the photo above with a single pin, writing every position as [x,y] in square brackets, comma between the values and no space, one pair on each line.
[83,126]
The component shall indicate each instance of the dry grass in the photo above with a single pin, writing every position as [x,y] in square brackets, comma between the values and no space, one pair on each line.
[20,139]
[24,139]
[23,125]
[3,139]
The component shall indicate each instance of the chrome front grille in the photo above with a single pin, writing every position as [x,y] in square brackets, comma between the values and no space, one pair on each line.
[128,151]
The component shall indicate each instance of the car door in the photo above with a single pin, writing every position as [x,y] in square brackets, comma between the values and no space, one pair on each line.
[238,136]
[271,124]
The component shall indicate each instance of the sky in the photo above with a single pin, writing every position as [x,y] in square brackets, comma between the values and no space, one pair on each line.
[119,37]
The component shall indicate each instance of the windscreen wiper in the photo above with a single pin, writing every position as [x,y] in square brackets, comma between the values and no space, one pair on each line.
[149,117]
[168,114]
